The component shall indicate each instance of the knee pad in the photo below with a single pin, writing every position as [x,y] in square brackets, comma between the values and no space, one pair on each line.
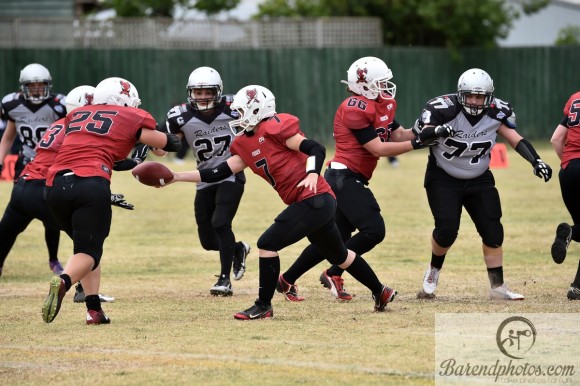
[222,229]
[493,236]
[207,238]
[266,244]
[338,260]
[445,237]
[376,237]
[90,245]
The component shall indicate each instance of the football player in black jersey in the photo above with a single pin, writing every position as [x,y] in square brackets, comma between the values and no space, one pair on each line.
[458,174]
[204,124]
[29,113]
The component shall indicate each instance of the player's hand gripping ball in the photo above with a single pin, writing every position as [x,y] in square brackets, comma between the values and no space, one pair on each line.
[152,173]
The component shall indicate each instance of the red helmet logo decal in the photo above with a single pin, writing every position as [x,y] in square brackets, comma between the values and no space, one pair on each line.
[125,87]
[88,99]
[361,74]
[251,94]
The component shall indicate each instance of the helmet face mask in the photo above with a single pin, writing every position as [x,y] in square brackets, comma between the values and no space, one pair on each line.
[35,83]
[116,91]
[475,82]
[254,103]
[200,79]
[78,97]
[370,77]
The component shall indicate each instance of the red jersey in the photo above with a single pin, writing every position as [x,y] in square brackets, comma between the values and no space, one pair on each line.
[46,151]
[572,146]
[97,136]
[356,113]
[267,155]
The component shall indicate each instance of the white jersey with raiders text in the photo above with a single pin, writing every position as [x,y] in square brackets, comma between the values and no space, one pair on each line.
[468,153]
[32,120]
[209,136]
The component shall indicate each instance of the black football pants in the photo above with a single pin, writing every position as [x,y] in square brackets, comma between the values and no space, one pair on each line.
[570,188]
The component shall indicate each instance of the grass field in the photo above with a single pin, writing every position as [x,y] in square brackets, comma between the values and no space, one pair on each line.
[167,329]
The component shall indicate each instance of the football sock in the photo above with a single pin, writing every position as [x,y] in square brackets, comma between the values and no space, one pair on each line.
[437,261]
[52,239]
[495,276]
[577,278]
[238,248]
[334,270]
[67,280]
[362,271]
[227,247]
[269,272]
[308,259]
[93,302]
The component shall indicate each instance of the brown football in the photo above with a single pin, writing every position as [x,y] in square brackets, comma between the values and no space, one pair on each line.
[152,173]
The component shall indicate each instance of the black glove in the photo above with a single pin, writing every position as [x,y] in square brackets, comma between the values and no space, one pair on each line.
[118,200]
[444,131]
[542,170]
[417,144]
[140,152]
[1,167]
[429,135]
[417,127]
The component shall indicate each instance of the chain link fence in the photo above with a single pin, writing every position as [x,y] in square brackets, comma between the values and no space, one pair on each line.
[191,34]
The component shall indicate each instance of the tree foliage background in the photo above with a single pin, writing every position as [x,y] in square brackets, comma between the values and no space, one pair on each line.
[450,23]
[436,23]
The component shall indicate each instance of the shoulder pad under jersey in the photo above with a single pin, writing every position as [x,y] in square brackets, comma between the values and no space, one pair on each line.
[286,125]
[440,110]
[10,97]
[502,111]
[61,98]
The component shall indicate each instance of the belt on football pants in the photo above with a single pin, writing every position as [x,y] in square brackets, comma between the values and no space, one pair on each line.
[337,165]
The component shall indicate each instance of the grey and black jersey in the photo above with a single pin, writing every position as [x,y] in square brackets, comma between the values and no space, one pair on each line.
[32,120]
[210,137]
[467,154]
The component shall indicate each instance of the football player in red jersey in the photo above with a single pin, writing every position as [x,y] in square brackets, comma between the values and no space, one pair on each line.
[566,143]
[273,147]
[78,182]
[29,113]
[365,129]
[27,201]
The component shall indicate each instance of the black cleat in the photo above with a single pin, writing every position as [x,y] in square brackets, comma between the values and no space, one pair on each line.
[255,312]
[561,243]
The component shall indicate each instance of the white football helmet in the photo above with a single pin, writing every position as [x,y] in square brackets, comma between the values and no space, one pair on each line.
[369,77]
[475,81]
[204,77]
[35,73]
[254,103]
[116,91]
[78,97]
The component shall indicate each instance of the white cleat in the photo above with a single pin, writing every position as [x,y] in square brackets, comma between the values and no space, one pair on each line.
[431,279]
[503,293]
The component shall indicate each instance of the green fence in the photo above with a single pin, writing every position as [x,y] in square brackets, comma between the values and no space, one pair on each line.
[306,82]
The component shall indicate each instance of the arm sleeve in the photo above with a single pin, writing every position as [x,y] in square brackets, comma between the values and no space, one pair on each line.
[220,172]
[316,153]
[526,150]
[364,135]
[395,125]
